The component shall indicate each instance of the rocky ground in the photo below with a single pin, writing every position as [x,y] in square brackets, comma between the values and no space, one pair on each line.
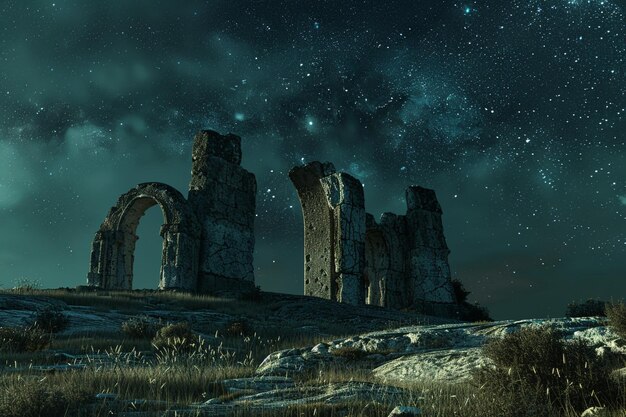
[392,348]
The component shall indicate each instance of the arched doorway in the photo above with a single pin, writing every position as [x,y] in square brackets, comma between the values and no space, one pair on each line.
[112,254]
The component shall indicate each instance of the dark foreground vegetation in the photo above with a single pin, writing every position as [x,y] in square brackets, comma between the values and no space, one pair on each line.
[156,366]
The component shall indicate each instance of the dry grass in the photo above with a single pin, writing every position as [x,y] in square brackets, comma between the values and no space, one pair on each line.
[179,377]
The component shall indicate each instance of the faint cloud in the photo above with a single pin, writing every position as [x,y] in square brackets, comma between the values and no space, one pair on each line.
[622,199]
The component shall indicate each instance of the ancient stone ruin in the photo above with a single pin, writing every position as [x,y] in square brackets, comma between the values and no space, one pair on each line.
[208,238]
[349,257]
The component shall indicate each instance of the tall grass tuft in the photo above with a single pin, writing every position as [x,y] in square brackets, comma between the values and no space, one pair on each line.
[23,339]
[616,313]
[536,373]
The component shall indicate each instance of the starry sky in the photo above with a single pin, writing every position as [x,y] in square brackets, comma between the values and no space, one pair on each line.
[514,112]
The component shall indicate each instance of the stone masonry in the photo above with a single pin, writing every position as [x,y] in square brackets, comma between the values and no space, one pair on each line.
[349,257]
[208,239]
[334,232]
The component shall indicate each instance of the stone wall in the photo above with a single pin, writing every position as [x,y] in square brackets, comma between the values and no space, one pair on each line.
[208,239]
[418,274]
[334,232]
[223,196]
[401,262]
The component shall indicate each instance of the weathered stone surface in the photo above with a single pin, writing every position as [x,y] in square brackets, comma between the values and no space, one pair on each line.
[208,240]
[400,263]
[334,232]
[328,394]
[257,384]
[112,252]
[447,353]
[407,257]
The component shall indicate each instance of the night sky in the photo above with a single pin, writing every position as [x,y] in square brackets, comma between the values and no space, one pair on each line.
[513,111]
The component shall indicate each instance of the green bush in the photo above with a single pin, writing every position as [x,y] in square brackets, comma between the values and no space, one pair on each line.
[140,327]
[616,313]
[536,373]
[25,339]
[176,336]
[589,308]
[51,319]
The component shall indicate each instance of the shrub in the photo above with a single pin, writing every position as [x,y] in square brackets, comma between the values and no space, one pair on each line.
[26,339]
[50,319]
[176,336]
[616,313]
[238,328]
[459,291]
[536,373]
[25,286]
[589,308]
[474,313]
[140,327]
[23,398]
[254,295]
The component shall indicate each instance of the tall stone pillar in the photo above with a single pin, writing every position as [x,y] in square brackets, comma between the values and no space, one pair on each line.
[223,196]
[429,271]
[334,232]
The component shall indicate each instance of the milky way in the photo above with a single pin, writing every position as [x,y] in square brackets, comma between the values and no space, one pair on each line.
[512,111]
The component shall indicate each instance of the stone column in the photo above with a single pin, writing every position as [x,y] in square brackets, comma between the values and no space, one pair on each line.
[223,196]
[428,252]
[334,232]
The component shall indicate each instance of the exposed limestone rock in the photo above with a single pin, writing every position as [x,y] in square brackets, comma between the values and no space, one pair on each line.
[329,394]
[446,353]
[208,239]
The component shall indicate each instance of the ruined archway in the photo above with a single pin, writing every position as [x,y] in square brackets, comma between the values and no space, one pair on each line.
[112,253]
[334,232]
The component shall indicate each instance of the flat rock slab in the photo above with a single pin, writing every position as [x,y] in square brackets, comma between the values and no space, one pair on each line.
[447,352]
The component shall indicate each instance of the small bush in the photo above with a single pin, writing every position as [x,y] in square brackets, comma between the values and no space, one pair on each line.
[51,319]
[536,373]
[255,295]
[176,336]
[589,308]
[238,328]
[26,339]
[25,286]
[474,313]
[459,291]
[616,313]
[140,327]
[22,398]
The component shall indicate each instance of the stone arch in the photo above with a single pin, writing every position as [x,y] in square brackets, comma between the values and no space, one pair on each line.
[112,253]
[334,232]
